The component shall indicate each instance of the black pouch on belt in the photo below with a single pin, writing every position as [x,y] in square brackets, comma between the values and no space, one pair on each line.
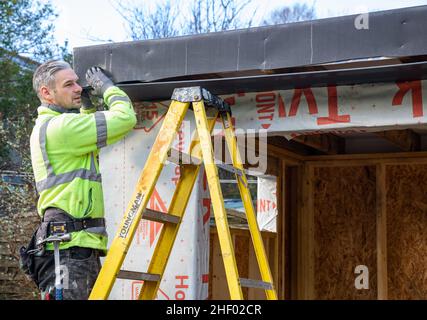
[27,254]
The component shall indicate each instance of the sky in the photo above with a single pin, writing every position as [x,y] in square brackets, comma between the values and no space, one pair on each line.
[91,22]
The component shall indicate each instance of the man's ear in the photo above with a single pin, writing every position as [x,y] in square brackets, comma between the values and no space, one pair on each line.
[46,94]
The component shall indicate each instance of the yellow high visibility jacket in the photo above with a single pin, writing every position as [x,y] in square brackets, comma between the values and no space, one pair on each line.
[64,147]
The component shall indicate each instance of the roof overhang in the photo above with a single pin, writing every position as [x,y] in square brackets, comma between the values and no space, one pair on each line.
[162,90]
[267,58]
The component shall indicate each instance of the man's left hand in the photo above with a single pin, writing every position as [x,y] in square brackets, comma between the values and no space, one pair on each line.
[86,102]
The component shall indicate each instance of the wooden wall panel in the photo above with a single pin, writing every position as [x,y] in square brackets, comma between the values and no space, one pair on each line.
[407,231]
[345,231]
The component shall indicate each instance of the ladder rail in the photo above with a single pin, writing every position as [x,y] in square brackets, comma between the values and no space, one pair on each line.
[248,205]
[220,214]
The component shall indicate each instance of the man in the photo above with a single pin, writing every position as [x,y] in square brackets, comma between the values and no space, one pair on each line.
[64,146]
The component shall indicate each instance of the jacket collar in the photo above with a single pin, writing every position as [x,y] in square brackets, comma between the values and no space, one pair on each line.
[59,109]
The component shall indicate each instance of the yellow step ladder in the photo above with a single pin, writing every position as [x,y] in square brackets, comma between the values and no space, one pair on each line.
[201,151]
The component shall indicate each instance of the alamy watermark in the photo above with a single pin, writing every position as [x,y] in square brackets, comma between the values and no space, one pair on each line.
[251,147]
[362,280]
[361,22]
[64,278]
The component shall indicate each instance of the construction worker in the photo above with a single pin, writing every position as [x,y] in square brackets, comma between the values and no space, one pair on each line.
[65,143]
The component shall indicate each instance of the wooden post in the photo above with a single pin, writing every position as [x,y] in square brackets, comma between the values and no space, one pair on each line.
[306,235]
[281,231]
[381,200]
[292,195]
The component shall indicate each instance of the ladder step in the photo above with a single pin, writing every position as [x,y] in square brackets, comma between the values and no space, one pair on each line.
[179,157]
[229,168]
[250,283]
[158,216]
[141,276]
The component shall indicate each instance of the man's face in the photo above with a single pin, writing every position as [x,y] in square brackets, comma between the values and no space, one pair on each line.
[66,92]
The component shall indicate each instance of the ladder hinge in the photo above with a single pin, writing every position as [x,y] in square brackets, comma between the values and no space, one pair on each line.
[216,102]
[193,94]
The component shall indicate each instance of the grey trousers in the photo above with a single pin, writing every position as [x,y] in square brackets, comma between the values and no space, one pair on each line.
[79,270]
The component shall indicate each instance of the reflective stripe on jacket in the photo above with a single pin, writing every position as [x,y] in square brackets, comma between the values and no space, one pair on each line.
[64,147]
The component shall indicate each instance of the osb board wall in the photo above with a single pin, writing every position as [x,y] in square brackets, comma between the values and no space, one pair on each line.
[344,231]
[246,263]
[407,231]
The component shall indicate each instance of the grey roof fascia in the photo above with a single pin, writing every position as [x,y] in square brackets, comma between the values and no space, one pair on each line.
[392,33]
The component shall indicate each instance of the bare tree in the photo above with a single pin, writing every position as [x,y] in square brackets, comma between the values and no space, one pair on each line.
[297,12]
[142,24]
[198,17]
[217,15]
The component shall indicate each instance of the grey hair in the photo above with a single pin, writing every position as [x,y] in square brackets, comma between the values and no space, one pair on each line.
[45,74]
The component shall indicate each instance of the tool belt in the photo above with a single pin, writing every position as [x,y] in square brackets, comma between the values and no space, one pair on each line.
[59,222]
[55,222]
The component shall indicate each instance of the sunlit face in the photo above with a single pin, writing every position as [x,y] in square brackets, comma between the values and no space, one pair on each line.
[66,92]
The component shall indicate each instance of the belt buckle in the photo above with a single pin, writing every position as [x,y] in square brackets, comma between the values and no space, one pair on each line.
[58,228]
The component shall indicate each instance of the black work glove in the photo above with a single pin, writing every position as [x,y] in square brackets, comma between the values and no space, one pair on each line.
[86,102]
[98,80]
